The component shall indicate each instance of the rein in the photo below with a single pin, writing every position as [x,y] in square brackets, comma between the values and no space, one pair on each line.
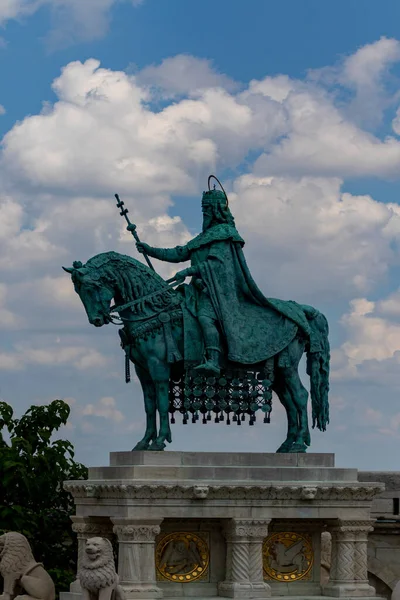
[115,308]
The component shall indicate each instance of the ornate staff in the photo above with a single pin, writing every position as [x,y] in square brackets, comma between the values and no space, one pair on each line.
[131,227]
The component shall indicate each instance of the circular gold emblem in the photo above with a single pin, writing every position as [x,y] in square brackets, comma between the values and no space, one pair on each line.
[182,557]
[287,556]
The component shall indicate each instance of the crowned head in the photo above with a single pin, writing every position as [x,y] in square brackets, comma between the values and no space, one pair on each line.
[215,209]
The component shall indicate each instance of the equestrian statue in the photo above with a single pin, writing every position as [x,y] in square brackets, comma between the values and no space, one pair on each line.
[215,346]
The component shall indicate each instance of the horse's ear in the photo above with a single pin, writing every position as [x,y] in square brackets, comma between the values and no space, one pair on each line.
[69,270]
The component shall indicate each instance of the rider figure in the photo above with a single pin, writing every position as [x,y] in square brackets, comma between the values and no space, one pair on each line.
[215,212]
[224,296]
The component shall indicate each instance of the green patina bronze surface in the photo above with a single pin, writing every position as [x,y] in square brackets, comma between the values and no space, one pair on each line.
[216,346]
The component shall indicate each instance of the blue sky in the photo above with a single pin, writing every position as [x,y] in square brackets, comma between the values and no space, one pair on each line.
[294,104]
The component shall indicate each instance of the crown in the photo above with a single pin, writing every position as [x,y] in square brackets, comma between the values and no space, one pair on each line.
[214,197]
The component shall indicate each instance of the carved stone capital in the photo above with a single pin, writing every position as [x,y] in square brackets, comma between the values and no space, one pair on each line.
[246,529]
[86,527]
[351,530]
[135,531]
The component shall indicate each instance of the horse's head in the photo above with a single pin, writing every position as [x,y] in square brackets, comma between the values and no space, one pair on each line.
[109,276]
[95,291]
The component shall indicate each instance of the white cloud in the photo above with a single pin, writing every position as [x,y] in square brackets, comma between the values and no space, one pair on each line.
[366,74]
[372,343]
[183,74]
[8,319]
[106,408]
[72,20]
[24,354]
[307,237]
[321,140]
[390,306]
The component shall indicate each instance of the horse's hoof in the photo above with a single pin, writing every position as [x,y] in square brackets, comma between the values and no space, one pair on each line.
[298,448]
[285,448]
[157,446]
[141,446]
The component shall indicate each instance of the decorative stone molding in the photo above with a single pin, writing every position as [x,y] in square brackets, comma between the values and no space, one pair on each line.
[309,493]
[200,492]
[244,566]
[225,492]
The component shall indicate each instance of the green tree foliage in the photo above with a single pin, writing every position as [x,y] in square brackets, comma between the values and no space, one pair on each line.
[32,499]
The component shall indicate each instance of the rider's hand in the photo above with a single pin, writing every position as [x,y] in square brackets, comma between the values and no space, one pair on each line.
[142,247]
[180,276]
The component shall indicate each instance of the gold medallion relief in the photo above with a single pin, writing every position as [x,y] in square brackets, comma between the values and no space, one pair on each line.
[182,557]
[287,556]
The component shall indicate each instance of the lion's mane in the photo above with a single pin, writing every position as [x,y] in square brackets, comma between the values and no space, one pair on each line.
[15,554]
[100,573]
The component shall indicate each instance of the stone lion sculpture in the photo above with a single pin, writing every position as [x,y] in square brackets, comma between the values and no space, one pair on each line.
[24,578]
[97,574]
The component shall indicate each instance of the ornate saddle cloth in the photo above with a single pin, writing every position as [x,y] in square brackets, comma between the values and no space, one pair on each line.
[232,396]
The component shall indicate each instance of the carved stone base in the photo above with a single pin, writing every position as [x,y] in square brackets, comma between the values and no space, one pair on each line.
[147,592]
[232,501]
[245,589]
[346,590]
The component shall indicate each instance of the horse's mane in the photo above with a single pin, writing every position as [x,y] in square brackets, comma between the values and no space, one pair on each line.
[132,278]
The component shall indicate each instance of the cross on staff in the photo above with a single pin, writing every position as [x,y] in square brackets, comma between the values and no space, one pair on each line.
[131,227]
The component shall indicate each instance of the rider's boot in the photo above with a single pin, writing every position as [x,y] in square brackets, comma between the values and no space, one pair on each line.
[211,366]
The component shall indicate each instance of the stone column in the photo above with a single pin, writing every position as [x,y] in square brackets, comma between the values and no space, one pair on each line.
[349,574]
[136,557]
[85,528]
[244,563]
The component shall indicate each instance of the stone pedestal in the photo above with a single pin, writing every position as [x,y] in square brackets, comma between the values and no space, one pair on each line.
[229,504]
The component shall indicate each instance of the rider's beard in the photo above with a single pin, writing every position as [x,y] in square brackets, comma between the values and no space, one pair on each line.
[206,223]
[208,220]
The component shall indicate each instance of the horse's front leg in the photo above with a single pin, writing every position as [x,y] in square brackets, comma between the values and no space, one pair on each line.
[150,403]
[160,374]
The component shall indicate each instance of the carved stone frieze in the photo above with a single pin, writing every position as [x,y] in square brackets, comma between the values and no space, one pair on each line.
[224,492]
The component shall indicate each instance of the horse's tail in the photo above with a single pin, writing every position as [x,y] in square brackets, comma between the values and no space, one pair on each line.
[318,356]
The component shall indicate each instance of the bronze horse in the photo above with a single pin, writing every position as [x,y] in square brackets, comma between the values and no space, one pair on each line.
[151,312]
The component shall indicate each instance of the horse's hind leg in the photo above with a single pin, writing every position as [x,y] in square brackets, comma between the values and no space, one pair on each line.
[292,385]
[291,412]
[149,394]
[299,396]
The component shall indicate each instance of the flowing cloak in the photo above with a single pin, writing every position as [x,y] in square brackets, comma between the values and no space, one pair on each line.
[254,327]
